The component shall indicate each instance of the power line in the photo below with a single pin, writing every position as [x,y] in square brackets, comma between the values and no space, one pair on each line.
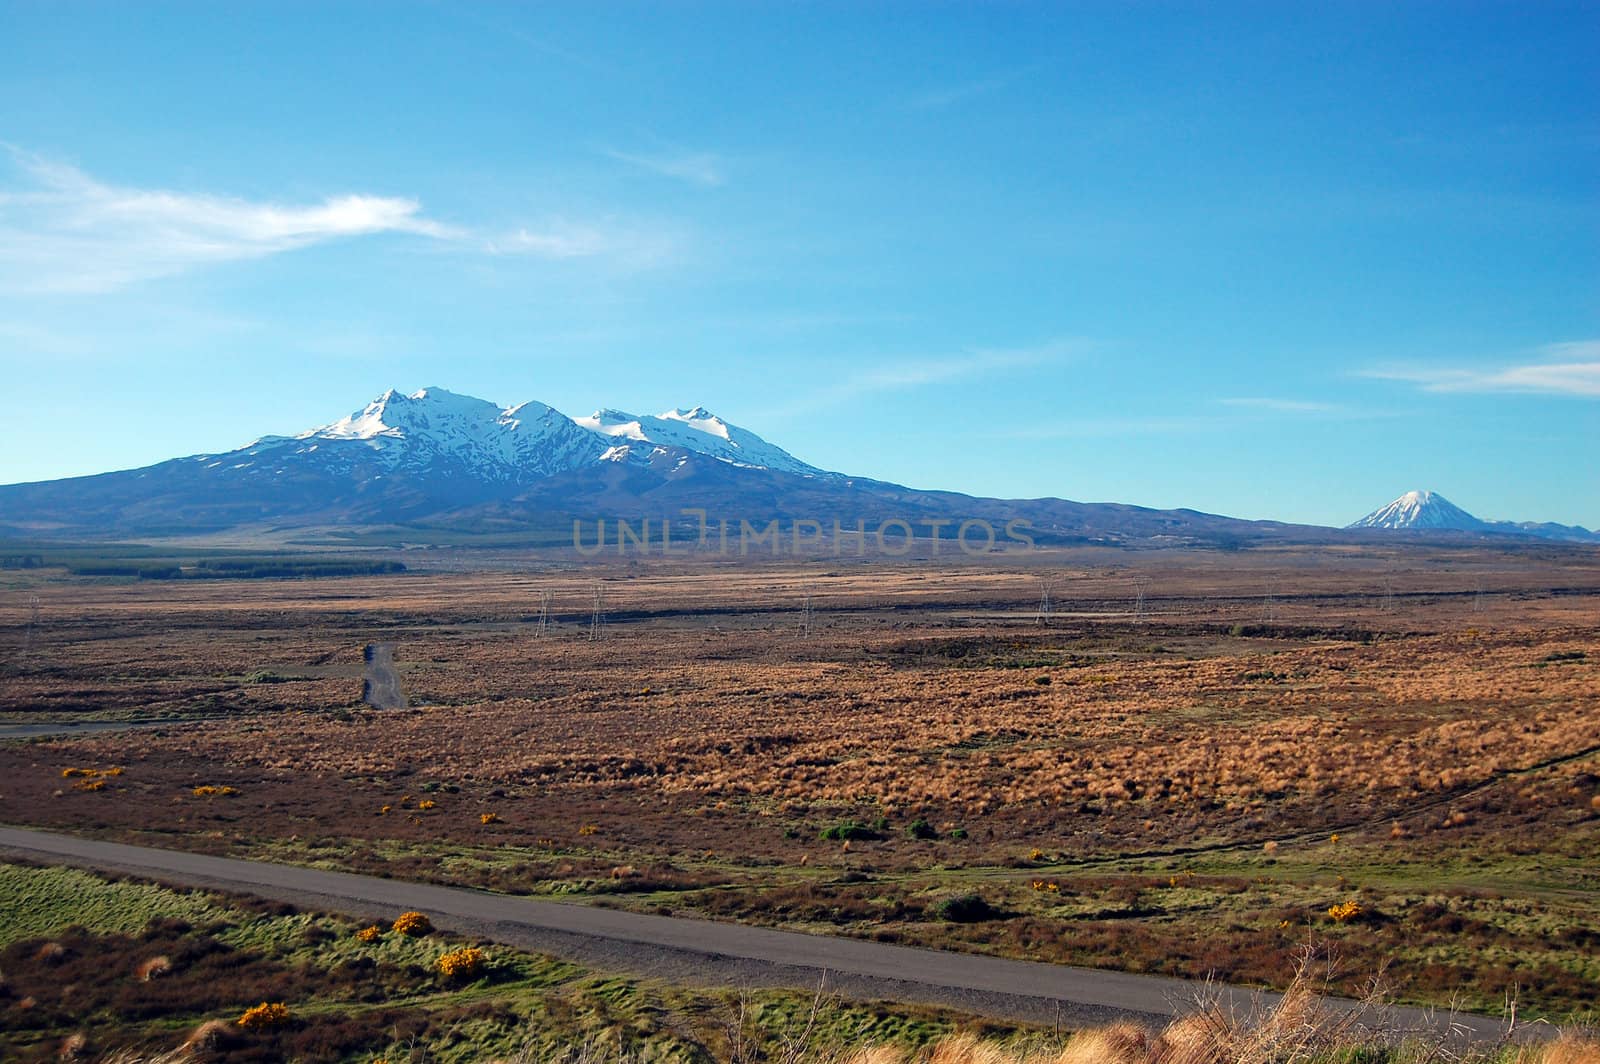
[544,613]
[597,619]
[1046,607]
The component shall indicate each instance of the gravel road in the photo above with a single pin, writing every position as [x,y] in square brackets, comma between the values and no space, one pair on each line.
[707,953]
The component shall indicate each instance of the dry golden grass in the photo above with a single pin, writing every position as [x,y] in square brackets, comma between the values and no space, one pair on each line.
[707,739]
[1303,1027]
[1185,1043]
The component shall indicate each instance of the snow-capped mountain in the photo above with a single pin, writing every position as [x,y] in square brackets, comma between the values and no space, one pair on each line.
[433,460]
[443,433]
[446,434]
[1428,511]
[696,430]
[1421,509]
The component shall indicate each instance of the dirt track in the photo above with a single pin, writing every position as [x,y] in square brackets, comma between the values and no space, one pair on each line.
[382,687]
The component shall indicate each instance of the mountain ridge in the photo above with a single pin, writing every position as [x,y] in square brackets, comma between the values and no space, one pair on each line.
[436,459]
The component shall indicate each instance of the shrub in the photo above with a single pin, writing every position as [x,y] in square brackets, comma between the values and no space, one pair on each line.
[965,909]
[489,818]
[210,1037]
[921,829]
[154,968]
[1345,911]
[412,923]
[849,829]
[370,934]
[463,964]
[264,1015]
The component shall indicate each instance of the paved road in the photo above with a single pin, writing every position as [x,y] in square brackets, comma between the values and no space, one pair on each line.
[704,952]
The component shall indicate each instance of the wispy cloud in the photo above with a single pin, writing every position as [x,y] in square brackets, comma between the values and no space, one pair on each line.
[1095,427]
[703,168]
[959,92]
[1244,412]
[1280,406]
[919,373]
[62,230]
[632,245]
[1568,369]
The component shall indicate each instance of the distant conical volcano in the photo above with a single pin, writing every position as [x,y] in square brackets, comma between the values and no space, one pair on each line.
[1422,509]
[1428,511]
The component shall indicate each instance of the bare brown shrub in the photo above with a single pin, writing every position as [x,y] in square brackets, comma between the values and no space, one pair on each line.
[154,968]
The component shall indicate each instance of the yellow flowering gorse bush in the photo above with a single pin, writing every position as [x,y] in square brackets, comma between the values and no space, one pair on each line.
[466,963]
[1345,911]
[412,923]
[265,1015]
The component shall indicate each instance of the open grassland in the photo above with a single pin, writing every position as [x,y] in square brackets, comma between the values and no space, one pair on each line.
[129,971]
[1397,752]
[93,967]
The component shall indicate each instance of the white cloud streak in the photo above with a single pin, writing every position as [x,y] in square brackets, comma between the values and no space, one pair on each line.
[63,231]
[1246,412]
[955,93]
[919,373]
[67,232]
[696,168]
[1279,406]
[1566,369]
[628,245]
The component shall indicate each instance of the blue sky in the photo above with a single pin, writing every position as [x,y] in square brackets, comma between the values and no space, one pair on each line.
[1268,260]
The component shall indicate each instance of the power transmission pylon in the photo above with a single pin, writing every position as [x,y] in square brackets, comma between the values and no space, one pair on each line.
[1269,607]
[1141,584]
[1046,607]
[544,613]
[807,615]
[597,619]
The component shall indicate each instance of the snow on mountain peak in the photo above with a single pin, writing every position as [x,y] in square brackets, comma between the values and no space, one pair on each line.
[700,419]
[694,413]
[395,414]
[613,423]
[414,431]
[1423,510]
